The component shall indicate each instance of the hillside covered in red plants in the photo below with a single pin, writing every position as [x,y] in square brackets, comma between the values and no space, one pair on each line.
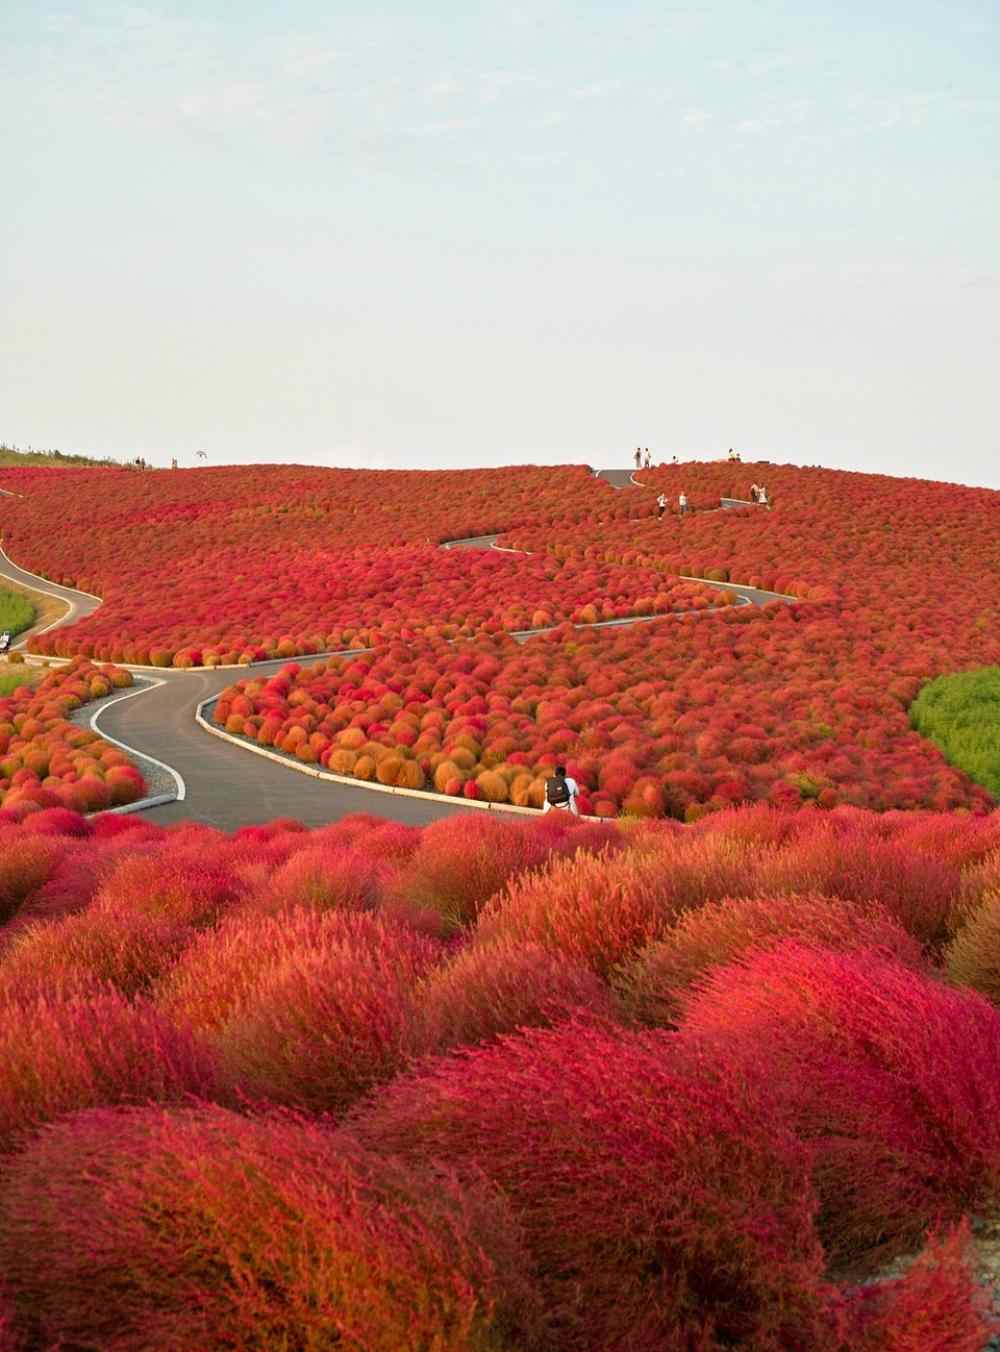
[796,704]
[254,561]
[528,1087]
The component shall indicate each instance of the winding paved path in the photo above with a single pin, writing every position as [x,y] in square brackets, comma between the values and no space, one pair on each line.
[224,784]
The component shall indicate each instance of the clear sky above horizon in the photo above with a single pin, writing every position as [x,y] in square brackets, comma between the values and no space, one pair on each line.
[498,233]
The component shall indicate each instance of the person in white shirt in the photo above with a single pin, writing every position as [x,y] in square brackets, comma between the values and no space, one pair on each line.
[647,460]
[561,792]
[682,504]
[661,506]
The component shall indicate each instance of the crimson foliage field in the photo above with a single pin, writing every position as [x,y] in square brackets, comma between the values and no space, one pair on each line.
[500,1086]
[796,704]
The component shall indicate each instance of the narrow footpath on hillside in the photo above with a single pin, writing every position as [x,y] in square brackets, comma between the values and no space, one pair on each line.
[223,783]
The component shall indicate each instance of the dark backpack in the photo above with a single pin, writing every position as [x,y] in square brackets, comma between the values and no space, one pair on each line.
[557,791]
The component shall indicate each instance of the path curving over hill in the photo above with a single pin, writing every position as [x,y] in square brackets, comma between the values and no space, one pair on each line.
[222,783]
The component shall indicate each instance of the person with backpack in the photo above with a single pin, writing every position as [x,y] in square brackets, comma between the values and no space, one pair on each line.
[661,506]
[561,792]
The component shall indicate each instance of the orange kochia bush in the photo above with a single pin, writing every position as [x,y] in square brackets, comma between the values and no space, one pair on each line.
[46,761]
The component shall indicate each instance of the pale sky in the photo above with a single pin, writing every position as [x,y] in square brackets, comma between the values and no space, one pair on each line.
[490,233]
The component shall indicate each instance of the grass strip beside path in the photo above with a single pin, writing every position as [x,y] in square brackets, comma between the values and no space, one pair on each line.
[17,611]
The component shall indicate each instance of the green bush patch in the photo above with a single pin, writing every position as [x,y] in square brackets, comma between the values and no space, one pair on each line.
[961,714]
[16,612]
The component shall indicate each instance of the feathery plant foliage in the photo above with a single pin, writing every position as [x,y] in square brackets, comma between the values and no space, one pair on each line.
[16,612]
[961,714]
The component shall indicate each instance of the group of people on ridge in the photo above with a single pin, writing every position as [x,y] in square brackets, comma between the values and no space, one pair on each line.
[643,459]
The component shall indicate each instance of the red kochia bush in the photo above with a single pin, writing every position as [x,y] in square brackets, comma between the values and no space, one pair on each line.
[59,1056]
[204,1230]
[895,1076]
[222,973]
[85,953]
[26,863]
[324,1027]
[462,861]
[159,883]
[323,878]
[937,1305]
[918,890]
[486,991]
[597,910]
[652,985]
[661,1213]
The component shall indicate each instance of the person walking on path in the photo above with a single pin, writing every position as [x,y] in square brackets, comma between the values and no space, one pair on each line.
[661,506]
[754,491]
[638,458]
[762,496]
[561,792]
[682,504]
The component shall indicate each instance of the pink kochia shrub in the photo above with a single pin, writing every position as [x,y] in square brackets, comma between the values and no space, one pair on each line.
[937,1304]
[204,1230]
[893,1076]
[661,1212]
[653,984]
[308,1009]
[462,861]
[497,989]
[60,1056]
[86,953]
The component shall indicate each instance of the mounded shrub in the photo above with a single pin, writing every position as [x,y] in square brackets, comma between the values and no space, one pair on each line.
[322,1027]
[652,985]
[918,890]
[973,956]
[220,974]
[163,884]
[594,909]
[660,1212]
[462,861]
[86,953]
[483,992]
[26,862]
[58,1056]
[201,1229]
[321,878]
[937,1304]
[894,1077]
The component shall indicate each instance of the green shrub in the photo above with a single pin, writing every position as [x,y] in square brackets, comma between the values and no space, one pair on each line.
[961,714]
[10,680]
[16,612]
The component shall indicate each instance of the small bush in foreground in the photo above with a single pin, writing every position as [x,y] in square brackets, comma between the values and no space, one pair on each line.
[893,1076]
[973,956]
[594,909]
[660,1212]
[937,1305]
[89,952]
[487,991]
[221,974]
[60,1056]
[652,986]
[205,1230]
